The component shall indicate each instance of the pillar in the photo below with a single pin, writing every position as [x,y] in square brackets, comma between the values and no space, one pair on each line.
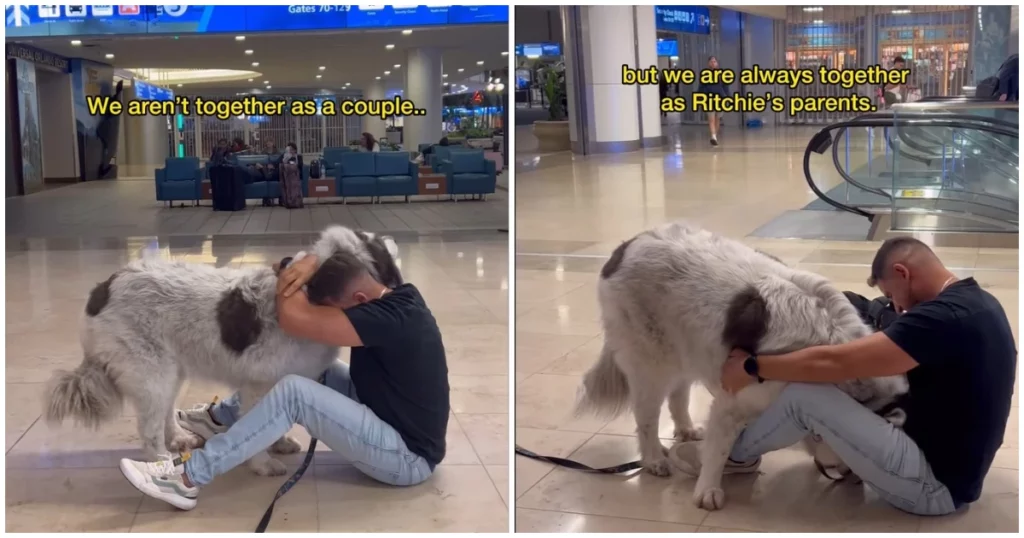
[606,116]
[989,41]
[373,124]
[147,145]
[423,88]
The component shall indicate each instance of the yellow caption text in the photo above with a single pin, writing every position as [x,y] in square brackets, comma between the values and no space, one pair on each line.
[251,106]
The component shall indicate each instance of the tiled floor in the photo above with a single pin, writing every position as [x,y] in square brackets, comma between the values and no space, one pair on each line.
[66,479]
[571,213]
[128,208]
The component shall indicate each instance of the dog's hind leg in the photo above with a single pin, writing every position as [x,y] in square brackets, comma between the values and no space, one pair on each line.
[152,393]
[262,463]
[724,426]
[179,439]
[647,410]
[679,406]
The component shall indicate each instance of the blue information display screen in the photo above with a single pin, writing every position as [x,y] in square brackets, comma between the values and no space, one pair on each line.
[686,19]
[71,20]
[150,92]
[668,47]
[536,50]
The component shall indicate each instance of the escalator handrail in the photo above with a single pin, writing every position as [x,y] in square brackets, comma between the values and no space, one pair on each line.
[869,121]
[941,99]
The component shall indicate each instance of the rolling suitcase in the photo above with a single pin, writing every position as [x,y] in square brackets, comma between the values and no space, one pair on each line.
[228,186]
[291,186]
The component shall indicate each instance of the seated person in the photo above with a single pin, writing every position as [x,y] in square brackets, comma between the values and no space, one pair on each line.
[220,153]
[426,152]
[954,343]
[386,414]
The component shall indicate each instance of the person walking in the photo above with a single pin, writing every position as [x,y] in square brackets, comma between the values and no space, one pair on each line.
[716,88]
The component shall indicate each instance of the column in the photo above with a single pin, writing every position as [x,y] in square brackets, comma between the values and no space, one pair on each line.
[606,116]
[423,88]
[989,41]
[146,145]
[372,124]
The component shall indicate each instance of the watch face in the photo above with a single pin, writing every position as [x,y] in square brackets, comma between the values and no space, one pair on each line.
[750,365]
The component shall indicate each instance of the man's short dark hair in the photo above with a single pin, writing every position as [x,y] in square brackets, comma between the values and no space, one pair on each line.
[899,60]
[333,277]
[891,247]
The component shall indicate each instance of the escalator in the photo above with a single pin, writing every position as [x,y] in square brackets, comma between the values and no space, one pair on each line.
[949,166]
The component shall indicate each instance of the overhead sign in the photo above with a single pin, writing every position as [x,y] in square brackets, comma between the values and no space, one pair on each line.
[536,50]
[80,20]
[149,92]
[685,19]
[668,47]
[38,57]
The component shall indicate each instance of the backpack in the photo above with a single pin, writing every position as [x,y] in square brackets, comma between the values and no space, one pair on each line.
[987,88]
[314,169]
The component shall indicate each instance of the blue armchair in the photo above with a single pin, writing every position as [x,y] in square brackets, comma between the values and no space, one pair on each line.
[180,179]
[396,174]
[356,175]
[469,172]
[442,154]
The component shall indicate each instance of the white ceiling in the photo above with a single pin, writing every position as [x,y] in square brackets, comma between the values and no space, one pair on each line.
[291,61]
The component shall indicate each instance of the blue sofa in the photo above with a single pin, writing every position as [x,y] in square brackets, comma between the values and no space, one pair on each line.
[258,190]
[180,179]
[332,156]
[440,154]
[376,174]
[469,172]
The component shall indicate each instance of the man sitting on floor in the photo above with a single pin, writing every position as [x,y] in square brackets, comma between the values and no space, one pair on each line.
[954,343]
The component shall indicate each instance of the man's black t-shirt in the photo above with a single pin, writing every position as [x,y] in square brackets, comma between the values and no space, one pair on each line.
[960,393]
[401,373]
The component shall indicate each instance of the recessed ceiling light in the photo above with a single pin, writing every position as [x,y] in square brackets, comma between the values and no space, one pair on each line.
[378,78]
[76,42]
[179,85]
[819,21]
[239,38]
[389,46]
[397,66]
[108,56]
[268,87]
[814,9]
[266,82]
[480,63]
[461,70]
[386,73]
[255,64]
[504,53]
[323,67]
[319,76]
[406,32]
[444,75]
[250,80]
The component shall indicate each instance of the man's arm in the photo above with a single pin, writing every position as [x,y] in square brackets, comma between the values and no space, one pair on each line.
[322,324]
[871,356]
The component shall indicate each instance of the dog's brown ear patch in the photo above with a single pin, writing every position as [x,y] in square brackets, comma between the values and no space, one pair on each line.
[615,261]
[746,320]
[383,263]
[99,297]
[239,321]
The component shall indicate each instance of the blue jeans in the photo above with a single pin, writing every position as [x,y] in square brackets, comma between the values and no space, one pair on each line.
[882,455]
[330,412]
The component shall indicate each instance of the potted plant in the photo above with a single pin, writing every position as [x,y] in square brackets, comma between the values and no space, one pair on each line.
[553,134]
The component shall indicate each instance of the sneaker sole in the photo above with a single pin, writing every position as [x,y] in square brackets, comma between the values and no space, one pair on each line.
[681,461]
[140,483]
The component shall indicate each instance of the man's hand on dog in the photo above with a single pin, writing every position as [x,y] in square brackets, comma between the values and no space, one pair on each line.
[292,278]
[734,377]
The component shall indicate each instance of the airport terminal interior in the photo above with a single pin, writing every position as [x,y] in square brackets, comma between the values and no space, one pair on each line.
[87,194]
[577,201]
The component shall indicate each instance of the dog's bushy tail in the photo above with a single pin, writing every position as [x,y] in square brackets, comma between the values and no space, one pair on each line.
[605,388]
[87,395]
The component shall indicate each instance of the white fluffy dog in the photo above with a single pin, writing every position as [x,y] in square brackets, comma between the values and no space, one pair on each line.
[155,323]
[674,301]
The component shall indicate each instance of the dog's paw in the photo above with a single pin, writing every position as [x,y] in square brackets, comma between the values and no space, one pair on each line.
[693,433]
[184,441]
[286,445]
[659,467]
[710,498]
[268,467]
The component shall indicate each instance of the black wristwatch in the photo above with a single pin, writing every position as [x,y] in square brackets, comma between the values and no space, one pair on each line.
[751,367]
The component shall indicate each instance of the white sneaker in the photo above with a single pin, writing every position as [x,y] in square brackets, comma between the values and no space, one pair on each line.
[686,458]
[161,480]
[198,421]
